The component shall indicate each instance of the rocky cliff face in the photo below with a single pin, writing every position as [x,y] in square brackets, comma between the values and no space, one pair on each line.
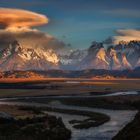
[119,57]
[16,57]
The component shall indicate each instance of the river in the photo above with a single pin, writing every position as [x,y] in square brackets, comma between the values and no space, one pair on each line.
[119,118]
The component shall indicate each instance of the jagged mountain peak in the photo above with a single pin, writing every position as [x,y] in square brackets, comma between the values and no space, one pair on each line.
[125,63]
[16,57]
[101,54]
[117,57]
[122,56]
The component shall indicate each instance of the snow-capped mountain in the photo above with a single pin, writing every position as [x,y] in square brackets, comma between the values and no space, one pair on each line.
[74,57]
[119,57]
[16,57]
[96,58]
[114,60]
[131,50]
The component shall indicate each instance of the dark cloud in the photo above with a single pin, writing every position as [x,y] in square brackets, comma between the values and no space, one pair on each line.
[30,38]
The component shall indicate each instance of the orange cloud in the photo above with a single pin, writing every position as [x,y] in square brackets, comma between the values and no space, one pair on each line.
[20,18]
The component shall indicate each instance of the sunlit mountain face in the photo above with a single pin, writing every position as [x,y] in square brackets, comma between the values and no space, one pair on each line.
[118,57]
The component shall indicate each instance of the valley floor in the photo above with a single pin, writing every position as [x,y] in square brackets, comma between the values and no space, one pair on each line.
[10,88]
[79,93]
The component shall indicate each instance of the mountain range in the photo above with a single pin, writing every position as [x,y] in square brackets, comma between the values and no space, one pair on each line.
[124,56]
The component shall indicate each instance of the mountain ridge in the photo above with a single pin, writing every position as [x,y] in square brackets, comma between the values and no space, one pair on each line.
[119,57]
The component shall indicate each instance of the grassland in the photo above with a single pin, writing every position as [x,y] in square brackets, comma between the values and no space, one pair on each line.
[66,87]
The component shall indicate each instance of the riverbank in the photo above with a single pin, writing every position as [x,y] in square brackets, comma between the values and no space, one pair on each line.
[93,119]
[30,124]
[106,130]
[77,112]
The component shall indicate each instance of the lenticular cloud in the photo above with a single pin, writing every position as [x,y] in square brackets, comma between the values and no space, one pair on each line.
[126,35]
[20,18]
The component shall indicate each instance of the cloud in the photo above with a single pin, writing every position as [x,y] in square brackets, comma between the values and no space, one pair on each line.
[15,24]
[20,18]
[30,38]
[124,35]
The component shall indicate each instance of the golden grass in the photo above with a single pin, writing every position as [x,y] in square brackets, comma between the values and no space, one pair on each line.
[16,80]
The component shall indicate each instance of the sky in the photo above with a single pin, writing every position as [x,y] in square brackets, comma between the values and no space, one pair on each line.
[80,22]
